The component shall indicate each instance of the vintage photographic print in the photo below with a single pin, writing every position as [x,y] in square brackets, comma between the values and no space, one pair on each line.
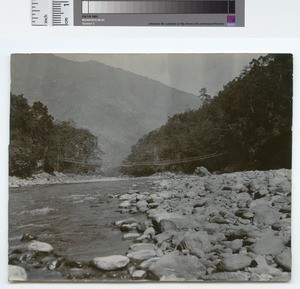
[150,167]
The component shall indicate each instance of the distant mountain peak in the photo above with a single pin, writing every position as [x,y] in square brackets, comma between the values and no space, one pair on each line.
[116,105]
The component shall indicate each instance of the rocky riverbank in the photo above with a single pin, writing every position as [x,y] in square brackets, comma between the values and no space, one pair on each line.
[229,227]
[47,179]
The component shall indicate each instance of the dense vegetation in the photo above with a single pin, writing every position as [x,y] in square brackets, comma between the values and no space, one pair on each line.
[249,121]
[40,143]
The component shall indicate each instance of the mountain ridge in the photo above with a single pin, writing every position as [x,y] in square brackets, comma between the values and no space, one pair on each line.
[116,105]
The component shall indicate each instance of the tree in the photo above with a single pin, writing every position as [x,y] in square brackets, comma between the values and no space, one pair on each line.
[37,141]
[249,121]
[204,96]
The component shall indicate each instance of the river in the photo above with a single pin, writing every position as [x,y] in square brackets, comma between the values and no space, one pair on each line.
[76,219]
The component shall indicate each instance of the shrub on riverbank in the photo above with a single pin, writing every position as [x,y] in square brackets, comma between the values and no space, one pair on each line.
[38,143]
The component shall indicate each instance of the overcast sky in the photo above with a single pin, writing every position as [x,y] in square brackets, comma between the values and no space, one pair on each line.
[187,72]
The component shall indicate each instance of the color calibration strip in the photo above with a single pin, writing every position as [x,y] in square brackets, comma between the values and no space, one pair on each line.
[159,7]
[205,13]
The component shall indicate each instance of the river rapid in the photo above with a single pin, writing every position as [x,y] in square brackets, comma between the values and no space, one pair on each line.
[76,219]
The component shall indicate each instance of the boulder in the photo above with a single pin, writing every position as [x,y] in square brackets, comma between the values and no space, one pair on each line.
[239,233]
[141,204]
[138,274]
[40,247]
[142,246]
[165,195]
[248,215]
[202,172]
[112,262]
[142,197]
[159,218]
[142,254]
[175,263]
[239,188]
[153,205]
[269,245]
[146,264]
[149,232]
[16,273]
[165,184]
[53,264]
[217,237]
[264,268]
[265,214]
[129,227]
[261,193]
[127,221]
[281,184]
[159,252]
[234,262]
[254,186]
[125,204]
[213,209]
[167,235]
[235,245]
[284,277]
[130,192]
[283,260]
[197,242]
[78,274]
[200,203]
[143,209]
[173,222]
[125,197]
[131,236]
[154,198]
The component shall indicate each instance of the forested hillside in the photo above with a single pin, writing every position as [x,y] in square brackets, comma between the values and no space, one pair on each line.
[40,143]
[117,106]
[249,121]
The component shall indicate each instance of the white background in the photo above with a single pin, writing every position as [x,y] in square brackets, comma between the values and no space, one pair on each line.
[271,26]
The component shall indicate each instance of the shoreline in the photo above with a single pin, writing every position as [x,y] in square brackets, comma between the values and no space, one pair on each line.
[209,228]
[213,228]
[60,178]
[57,178]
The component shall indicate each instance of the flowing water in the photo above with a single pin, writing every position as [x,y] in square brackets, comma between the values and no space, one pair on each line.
[76,219]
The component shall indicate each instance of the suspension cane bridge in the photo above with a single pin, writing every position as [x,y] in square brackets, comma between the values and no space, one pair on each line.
[146,163]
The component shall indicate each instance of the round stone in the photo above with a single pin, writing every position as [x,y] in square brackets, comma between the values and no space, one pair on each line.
[40,247]
[16,273]
[112,262]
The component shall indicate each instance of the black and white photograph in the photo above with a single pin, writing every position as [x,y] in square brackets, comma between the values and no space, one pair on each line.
[150,167]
